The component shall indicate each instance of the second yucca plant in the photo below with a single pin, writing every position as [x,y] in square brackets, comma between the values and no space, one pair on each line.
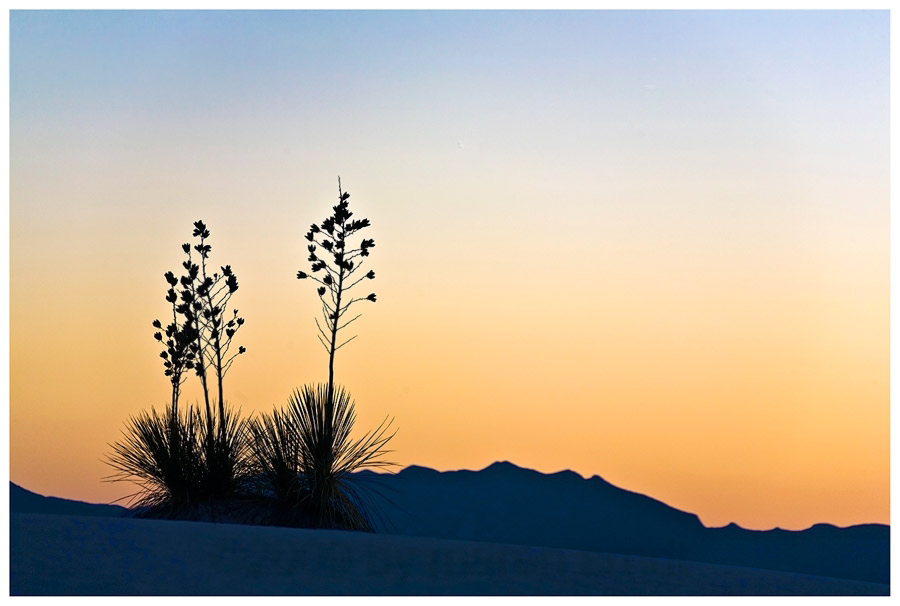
[306,450]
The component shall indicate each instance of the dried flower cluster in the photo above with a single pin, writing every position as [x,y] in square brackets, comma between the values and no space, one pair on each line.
[338,273]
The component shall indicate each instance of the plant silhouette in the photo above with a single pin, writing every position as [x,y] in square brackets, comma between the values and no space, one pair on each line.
[290,467]
[309,478]
[184,458]
[161,454]
[204,300]
[339,275]
[306,451]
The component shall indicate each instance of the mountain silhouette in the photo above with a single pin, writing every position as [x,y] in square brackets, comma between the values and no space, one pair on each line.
[25,501]
[504,503]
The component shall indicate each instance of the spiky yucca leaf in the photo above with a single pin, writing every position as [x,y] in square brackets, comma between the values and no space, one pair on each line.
[182,468]
[276,455]
[327,458]
[226,455]
[160,453]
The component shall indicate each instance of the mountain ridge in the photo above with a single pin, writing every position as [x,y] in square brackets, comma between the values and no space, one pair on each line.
[512,466]
[505,503]
[22,500]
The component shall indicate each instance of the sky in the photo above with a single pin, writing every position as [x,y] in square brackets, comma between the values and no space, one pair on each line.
[651,246]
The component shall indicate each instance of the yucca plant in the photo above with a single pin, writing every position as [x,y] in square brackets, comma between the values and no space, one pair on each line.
[319,419]
[197,460]
[308,474]
[305,453]
[203,299]
[179,477]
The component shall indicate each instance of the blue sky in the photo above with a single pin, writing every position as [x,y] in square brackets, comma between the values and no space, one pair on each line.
[666,219]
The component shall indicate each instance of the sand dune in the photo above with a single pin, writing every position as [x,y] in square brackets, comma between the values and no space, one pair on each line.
[69,555]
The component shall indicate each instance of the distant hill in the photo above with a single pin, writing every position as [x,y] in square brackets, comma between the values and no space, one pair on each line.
[504,503]
[25,501]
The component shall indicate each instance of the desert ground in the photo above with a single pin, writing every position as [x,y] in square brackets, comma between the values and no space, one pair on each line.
[72,555]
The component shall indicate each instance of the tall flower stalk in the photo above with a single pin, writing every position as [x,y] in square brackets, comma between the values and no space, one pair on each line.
[337,273]
[205,298]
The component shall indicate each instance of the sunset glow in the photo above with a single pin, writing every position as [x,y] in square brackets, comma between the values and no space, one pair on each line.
[650,246]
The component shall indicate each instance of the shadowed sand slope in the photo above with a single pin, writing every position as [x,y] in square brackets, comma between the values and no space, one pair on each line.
[68,555]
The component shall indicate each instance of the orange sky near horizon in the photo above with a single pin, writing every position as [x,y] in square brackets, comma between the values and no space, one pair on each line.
[676,280]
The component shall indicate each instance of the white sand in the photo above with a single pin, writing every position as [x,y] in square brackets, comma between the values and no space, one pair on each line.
[65,555]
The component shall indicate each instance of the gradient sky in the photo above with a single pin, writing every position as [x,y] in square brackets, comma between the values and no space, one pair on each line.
[652,246]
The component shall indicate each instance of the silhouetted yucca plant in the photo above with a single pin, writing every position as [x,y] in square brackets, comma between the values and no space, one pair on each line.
[201,300]
[177,478]
[212,446]
[309,474]
[161,454]
[306,452]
